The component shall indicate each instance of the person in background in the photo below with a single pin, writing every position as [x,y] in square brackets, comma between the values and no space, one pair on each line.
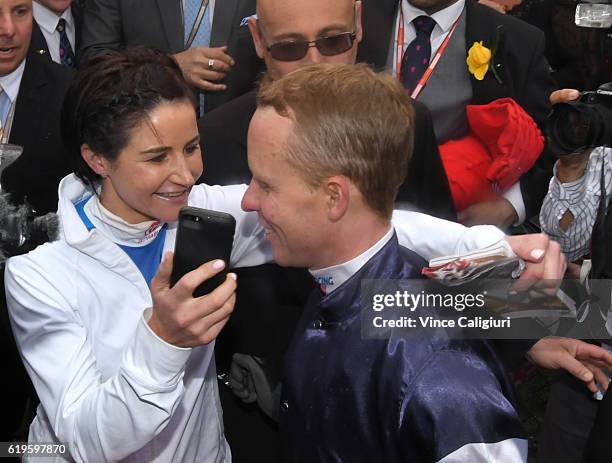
[56,32]
[31,95]
[279,34]
[579,57]
[209,39]
[517,70]
[576,213]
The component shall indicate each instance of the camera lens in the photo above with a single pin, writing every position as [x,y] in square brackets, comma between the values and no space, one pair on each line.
[576,128]
[577,125]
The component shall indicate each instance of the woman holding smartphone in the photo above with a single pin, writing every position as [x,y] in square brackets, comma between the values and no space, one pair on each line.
[121,362]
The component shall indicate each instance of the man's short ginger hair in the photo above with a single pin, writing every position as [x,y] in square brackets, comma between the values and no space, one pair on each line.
[349,121]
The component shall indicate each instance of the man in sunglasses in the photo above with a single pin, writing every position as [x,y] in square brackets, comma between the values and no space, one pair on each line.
[292,34]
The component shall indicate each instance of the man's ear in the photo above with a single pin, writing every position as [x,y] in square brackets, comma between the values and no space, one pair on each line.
[98,163]
[337,192]
[358,28]
[257,39]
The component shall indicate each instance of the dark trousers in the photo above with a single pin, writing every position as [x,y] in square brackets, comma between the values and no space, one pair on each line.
[570,415]
[599,446]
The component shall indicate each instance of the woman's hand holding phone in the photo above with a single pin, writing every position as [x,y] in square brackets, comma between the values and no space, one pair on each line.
[186,321]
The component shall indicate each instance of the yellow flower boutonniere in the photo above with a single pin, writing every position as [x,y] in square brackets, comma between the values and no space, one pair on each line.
[478,60]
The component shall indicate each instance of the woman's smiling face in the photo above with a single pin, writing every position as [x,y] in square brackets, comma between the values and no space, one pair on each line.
[152,176]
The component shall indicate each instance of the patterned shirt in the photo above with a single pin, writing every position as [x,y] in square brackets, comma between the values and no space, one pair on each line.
[581,198]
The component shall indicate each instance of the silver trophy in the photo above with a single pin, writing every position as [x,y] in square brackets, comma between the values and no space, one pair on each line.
[8,155]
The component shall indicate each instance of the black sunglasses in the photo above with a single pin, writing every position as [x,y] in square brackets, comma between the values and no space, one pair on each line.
[294,50]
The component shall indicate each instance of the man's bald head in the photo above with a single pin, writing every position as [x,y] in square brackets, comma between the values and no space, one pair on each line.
[286,20]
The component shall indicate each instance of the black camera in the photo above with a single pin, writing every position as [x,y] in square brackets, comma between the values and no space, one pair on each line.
[585,123]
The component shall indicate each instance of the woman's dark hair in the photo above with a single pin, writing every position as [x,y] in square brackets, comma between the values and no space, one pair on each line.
[111,94]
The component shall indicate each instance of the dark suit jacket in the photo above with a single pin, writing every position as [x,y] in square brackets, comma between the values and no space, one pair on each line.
[224,153]
[113,24]
[38,44]
[519,61]
[36,174]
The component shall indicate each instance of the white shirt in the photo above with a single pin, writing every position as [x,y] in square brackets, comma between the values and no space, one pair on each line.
[47,20]
[109,387]
[581,198]
[444,19]
[11,82]
[444,22]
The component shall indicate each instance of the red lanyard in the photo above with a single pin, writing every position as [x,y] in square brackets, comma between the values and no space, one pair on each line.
[433,63]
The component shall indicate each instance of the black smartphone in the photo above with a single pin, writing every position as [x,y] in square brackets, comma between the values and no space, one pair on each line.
[202,236]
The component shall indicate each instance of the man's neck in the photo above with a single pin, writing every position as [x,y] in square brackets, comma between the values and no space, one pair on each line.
[352,238]
[439,7]
[55,12]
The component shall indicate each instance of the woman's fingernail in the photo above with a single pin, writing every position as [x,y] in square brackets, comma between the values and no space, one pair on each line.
[233,275]
[537,253]
[218,264]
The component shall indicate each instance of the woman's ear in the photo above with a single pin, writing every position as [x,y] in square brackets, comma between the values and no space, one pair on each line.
[96,162]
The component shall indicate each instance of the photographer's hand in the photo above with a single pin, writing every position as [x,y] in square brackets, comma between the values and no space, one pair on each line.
[182,320]
[564,95]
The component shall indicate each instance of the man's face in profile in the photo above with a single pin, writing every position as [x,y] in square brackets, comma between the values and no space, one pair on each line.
[298,20]
[291,211]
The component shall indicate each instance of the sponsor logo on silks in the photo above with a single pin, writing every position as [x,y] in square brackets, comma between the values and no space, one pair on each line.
[151,232]
[325,280]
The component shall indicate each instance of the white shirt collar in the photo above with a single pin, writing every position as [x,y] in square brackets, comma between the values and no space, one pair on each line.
[444,18]
[332,277]
[10,82]
[48,19]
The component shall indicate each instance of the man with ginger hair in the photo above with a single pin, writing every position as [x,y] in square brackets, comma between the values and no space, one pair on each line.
[327,149]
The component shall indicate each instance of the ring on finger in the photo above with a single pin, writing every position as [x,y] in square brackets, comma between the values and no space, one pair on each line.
[211,64]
